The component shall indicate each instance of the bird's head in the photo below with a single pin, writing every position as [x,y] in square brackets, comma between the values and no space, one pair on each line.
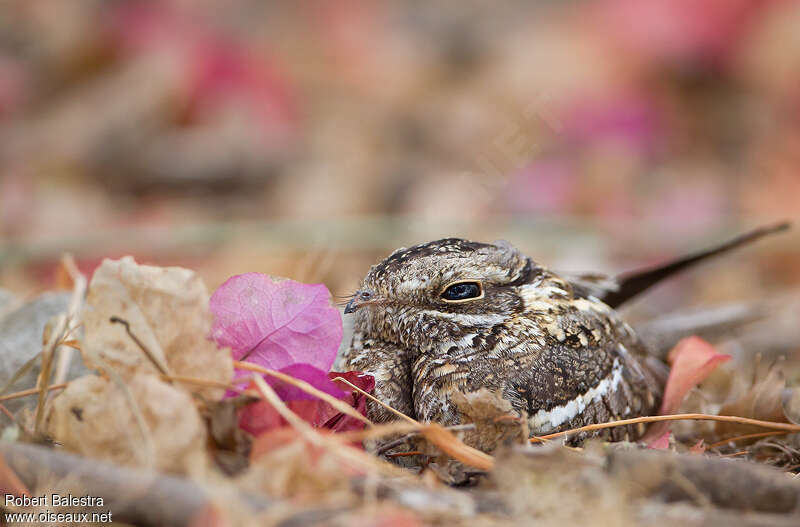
[442,291]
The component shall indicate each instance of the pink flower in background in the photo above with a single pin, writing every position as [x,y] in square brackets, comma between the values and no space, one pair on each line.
[217,70]
[628,119]
[682,31]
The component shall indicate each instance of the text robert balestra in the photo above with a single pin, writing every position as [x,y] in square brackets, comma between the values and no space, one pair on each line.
[53,500]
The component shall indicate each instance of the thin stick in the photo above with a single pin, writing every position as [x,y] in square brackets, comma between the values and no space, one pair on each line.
[306,430]
[380,430]
[8,413]
[734,454]
[401,440]
[43,381]
[306,387]
[32,391]
[162,368]
[332,443]
[65,352]
[788,427]
[398,413]
[746,436]
[396,427]
[20,373]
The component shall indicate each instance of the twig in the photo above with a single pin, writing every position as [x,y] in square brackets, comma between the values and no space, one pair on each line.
[399,441]
[398,413]
[734,454]
[332,443]
[746,436]
[31,391]
[306,430]
[788,427]
[20,372]
[162,368]
[8,413]
[56,338]
[306,387]
[66,351]
[43,380]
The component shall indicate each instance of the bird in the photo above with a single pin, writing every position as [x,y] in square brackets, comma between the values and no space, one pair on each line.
[457,316]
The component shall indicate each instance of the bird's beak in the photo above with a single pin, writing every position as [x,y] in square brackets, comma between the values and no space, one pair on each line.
[360,298]
[351,306]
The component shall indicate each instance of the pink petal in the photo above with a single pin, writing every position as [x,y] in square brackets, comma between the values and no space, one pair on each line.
[276,323]
[661,442]
[260,417]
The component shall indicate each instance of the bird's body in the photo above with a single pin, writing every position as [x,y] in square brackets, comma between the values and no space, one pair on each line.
[561,360]
[456,316]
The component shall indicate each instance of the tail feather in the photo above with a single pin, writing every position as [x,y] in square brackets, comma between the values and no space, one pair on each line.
[629,285]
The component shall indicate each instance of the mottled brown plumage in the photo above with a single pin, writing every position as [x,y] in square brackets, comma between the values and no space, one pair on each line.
[548,344]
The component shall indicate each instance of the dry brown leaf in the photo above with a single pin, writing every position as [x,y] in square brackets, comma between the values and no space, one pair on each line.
[496,422]
[764,401]
[791,404]
[94,417]
[167,309]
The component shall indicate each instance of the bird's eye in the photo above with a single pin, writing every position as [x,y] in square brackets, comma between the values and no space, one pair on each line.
[462,291]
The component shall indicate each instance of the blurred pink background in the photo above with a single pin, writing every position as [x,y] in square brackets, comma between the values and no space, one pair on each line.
[307,139]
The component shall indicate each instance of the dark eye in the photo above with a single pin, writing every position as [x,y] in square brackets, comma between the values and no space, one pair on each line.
[462,291]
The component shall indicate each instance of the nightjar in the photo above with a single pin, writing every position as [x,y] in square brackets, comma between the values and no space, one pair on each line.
[454,315]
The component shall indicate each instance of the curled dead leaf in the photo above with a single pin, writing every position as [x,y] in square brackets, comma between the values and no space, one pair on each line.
[496,422]
[94,417]
[764,400]
[168,314]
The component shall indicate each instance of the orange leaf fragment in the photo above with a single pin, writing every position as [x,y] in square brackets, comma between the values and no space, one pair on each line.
[693,359]
[698,448]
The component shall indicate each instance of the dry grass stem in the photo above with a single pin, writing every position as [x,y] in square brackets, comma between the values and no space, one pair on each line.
[20,373]
[308,388]
[747,436]
[398,413]
[159,364]
[332,443]
[67,347]
[787,427]
[32,391]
